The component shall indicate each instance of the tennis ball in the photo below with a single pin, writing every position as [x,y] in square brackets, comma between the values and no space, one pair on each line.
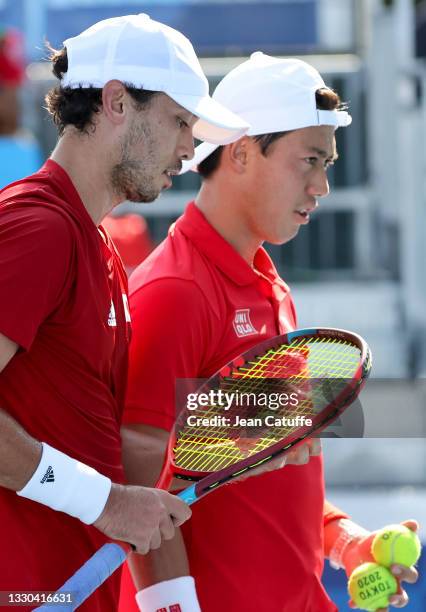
[371,585]
[396,544]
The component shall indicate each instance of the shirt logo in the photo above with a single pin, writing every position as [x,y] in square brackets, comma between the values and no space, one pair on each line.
[242,324]
[112,321]
[126,308]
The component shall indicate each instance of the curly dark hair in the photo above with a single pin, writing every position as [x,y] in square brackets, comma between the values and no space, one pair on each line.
[78,106]
[326,99]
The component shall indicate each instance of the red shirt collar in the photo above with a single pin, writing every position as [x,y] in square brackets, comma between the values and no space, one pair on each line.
[207,240]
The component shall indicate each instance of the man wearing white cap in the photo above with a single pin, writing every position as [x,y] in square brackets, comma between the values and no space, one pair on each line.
[256,546]
[130,98]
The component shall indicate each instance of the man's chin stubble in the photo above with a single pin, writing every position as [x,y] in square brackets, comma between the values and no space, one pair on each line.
[141,198]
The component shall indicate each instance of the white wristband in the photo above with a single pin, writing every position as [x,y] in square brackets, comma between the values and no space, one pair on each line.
[349,531]
[67,485]
[176,595]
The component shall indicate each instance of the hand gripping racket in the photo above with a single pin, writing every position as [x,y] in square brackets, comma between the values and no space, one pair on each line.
[313,375]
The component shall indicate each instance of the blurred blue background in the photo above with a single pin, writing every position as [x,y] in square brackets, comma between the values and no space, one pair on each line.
[213,27]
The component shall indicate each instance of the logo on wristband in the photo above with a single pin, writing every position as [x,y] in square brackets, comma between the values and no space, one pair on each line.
[49,475]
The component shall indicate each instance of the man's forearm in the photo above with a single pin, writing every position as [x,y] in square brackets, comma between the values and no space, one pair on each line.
[26,465]
[169,561]
[132,514]
[143,454]
[20,454]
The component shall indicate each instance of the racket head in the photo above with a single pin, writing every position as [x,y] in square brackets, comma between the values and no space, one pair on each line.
[323,355]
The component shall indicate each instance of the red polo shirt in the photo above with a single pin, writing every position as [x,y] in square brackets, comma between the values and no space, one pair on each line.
[63,301]
[196,304]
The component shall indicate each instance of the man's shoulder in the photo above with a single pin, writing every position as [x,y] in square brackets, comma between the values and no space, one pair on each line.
[36,204]
[176,270]
[27,217]
[28,187]
[175,259]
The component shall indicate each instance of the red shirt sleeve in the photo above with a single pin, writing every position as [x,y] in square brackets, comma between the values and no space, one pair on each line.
[170,332]
[35,254]
[332,513]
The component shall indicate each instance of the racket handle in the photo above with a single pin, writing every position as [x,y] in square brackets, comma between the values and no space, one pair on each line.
[89,577]
[98,568]
[188,495]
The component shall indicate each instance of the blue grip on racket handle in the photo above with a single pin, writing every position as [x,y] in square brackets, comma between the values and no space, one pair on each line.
[89,577]
[188,495]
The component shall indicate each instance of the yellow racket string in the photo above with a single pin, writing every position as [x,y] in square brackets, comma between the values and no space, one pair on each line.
[317,368]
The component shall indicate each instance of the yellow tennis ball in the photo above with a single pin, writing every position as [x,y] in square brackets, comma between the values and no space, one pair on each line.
[371,585]
[396,544]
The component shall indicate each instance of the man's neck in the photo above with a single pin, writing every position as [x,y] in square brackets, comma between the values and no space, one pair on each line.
[85,163]
[222,208]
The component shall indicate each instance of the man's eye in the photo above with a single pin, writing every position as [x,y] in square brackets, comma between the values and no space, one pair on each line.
[181,123]
[311,160]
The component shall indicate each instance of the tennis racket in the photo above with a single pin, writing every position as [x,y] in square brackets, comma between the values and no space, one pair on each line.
[316,374]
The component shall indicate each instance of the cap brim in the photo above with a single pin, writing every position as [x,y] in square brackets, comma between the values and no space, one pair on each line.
[216,124]
[333,118]
[201,153]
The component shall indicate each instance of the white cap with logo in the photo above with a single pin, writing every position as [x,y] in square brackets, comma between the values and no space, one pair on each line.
[272,95]
[147,54]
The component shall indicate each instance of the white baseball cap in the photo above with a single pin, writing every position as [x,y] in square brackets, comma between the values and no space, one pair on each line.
[272,95]
[147,54]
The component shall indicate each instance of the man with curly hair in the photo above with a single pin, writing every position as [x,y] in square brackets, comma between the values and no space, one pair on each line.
[131,96]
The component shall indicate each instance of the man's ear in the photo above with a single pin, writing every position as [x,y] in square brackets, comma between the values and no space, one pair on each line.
[237,154]
[115,102]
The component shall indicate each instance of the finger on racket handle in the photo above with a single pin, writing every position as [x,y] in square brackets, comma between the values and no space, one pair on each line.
[89,577]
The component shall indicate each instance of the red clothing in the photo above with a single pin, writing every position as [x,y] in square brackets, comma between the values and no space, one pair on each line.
[12,58]
[195,303]
[63,290]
